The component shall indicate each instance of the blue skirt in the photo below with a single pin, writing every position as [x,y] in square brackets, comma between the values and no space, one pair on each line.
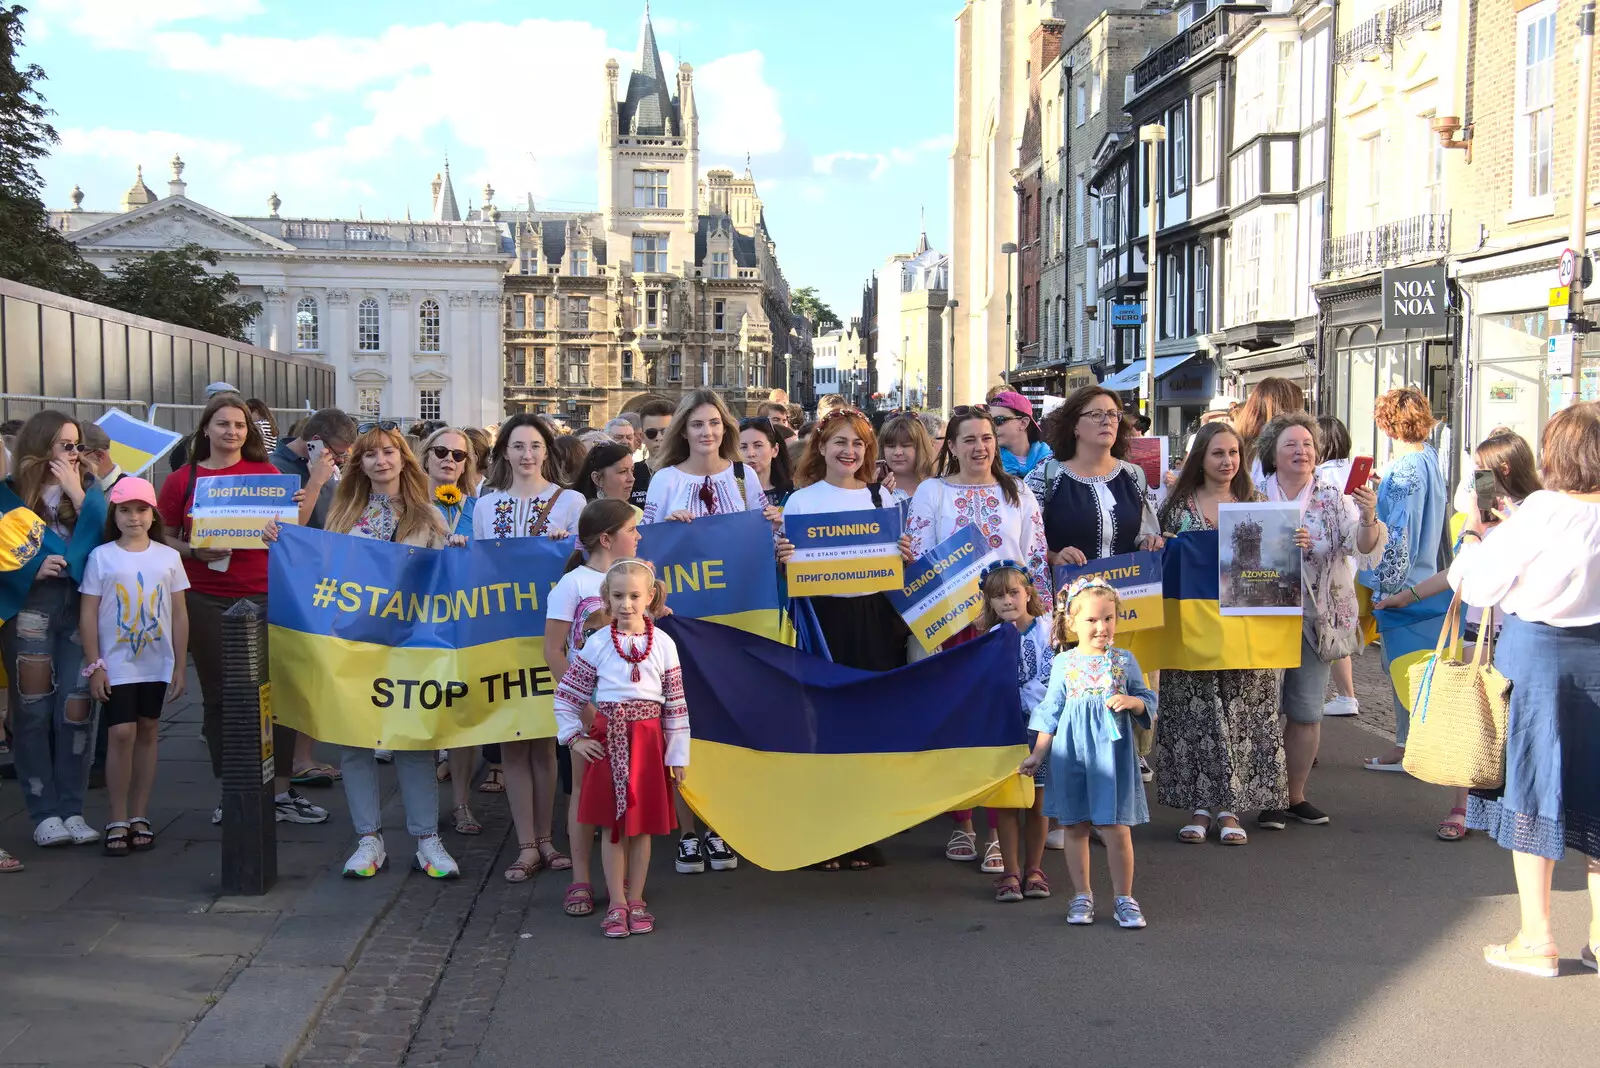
[1551,798]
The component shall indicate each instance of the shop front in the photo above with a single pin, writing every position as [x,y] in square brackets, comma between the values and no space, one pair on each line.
[1185,383]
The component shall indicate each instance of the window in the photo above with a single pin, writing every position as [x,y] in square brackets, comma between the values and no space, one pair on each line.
[719,315]
[1282,114]
[1535,104]
[1127,87]
[577,314]
[675,366]
[538,312]
[369,402]
[1202,285]
[528,261]
[1252,93]
[719,367]
[430,404]
[719,265]
[518,370]
[580,262]
[1367,180]
[536,358]
[1108,222]
[1096,93]
[428,326]
[577,366]
[650,253]
[252,330]
[652,308]
[627,365]
[1080,103]
[1080,210]
[305,325]
[649,189]
[1178,147]
[1430,160]
[1206,138]
[1169,303]
[369,333]
[519,314]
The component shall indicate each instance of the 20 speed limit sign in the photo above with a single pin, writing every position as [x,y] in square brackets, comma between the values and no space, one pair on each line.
[1569,267]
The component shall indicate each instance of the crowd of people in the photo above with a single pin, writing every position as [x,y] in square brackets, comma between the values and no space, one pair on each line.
[115,602]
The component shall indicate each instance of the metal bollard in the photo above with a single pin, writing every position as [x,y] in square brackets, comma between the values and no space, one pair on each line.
[249,822]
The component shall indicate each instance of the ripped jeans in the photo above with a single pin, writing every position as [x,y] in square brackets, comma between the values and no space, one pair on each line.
[52,718]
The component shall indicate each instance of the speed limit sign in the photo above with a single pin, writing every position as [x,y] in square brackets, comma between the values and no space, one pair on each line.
[1569,267]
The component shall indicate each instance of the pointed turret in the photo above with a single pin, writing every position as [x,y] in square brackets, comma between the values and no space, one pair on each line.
[648,109]
[444,199]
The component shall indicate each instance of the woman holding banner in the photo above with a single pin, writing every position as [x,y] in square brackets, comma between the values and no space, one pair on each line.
[698,473]
[973,490]
[1221,744]
[527,501]
[227,443]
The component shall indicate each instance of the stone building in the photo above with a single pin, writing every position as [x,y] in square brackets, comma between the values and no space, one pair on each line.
[904,328]
[1034,214]
[673,285]
[406,312]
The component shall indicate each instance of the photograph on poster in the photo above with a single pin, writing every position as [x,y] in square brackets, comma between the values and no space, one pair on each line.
[1258,562]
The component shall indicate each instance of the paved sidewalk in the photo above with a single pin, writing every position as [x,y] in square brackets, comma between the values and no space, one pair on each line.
[110,961]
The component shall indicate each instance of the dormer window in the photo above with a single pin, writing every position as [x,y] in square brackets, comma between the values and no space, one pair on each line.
[719,265]
[580,262]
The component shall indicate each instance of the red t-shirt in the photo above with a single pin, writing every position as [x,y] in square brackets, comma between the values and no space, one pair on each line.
[247,571]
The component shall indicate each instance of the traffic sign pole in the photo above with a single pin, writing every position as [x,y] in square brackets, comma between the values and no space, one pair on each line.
[1579,243]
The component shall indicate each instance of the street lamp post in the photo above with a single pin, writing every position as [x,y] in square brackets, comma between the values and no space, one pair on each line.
[947,386]
[1152,135]
[1579,238]
[1010,250]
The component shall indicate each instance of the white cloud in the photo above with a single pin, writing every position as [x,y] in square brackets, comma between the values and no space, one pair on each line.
[119,24]
[738,109]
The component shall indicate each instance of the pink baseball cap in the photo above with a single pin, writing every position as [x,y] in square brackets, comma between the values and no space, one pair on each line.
[132,489]
[1015,401]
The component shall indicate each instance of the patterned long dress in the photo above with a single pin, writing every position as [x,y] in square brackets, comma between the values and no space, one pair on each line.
[1221,747]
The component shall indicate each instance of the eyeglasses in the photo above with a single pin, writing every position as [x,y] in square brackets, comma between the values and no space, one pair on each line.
[74,446]
[378,424]
[1101,415]
[440,453]
[654,432]
[708,496]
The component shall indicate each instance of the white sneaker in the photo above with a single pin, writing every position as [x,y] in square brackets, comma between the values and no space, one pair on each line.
[216,814]
[434,860]
[1342,706]
[1056,839]
[51,832]
[81,832]
[368,859]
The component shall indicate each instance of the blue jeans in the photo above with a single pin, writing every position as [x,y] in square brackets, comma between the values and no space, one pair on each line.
[419,789]
[52,726]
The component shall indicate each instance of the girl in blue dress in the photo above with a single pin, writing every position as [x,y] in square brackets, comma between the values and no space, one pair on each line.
[1084,724]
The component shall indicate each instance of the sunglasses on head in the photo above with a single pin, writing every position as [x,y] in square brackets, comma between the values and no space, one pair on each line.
[756,422]
[442,453]
[969,409]
[377,424]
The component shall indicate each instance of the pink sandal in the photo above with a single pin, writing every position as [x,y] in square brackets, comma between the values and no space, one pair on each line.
[579,900]
[1035,884]
[1451,830]
[615,925]
[639,921]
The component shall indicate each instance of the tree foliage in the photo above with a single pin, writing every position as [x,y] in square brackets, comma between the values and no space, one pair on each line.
[175,287]
[805,301]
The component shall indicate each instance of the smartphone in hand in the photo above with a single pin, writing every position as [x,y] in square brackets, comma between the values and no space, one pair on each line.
[1360,474]
[1483,484]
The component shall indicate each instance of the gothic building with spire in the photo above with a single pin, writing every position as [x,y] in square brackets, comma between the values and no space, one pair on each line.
[673,285]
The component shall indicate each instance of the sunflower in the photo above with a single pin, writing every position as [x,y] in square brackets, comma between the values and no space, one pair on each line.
[448,495]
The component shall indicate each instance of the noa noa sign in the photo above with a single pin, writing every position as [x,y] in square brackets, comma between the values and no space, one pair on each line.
[1414,298]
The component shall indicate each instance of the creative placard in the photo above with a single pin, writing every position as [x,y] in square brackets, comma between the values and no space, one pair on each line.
[941,594]
[1258,562]
[230,511]
[1137,579]
[844,552]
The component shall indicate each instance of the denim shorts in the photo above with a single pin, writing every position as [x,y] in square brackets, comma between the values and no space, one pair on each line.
[1305,688]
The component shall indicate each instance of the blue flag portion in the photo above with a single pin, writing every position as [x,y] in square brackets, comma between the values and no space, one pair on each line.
[796,760]
[719,567]
[1409,635]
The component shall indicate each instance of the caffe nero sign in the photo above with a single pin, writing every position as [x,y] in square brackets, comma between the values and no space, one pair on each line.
[1414,298]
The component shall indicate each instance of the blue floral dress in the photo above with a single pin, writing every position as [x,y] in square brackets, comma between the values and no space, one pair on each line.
[1094,763]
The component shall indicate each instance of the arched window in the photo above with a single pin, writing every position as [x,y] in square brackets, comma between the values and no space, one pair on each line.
[428,326]
[305,325]
[369,331]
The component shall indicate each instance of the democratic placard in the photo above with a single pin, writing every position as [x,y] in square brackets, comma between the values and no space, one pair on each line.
[941,594]
[844,552]
[1137,579]
[230,511]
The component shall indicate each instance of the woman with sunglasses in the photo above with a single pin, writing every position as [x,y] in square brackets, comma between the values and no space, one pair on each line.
[762,447]
[1021,446]
[607,473]
[698,473]
[52,716]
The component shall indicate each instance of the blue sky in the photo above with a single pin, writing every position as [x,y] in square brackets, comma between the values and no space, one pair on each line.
[844,107]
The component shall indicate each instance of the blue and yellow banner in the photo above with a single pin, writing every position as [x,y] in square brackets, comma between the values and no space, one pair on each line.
[135,444]
[1137,579]
[796,760]
[844,552]
[1409,635]
[1195,635]
[941,594]
[387,646]
[230,511]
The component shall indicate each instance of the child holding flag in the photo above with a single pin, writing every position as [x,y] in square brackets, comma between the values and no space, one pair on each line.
[1084,726]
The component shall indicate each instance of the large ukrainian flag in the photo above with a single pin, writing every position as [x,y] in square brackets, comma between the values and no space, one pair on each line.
[1195,635]
[796,760]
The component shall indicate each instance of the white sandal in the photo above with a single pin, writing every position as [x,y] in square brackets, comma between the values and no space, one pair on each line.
[1195,833]
[1231,836]
[993,862]
[962,847]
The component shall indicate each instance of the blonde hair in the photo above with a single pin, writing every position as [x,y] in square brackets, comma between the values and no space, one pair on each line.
[467,480]
[658,599]
[417,521]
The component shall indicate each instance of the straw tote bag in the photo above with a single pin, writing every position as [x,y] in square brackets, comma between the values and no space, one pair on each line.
[1459,710]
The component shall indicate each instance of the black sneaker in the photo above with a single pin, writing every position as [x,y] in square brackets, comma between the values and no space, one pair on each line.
[1274,819]
[722,858]
[690,861]
[292,808]
[1306,812]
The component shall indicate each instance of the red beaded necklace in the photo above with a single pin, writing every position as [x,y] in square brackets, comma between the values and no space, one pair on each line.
[630,656]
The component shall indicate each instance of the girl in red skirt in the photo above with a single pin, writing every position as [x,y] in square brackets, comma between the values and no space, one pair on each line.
[640,737]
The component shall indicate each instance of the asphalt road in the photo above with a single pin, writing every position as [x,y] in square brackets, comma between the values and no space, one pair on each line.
[1356,943]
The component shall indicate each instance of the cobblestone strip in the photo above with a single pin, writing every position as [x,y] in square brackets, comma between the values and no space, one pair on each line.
[372,1019]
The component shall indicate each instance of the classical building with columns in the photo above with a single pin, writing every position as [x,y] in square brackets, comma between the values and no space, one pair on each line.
[408,312]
